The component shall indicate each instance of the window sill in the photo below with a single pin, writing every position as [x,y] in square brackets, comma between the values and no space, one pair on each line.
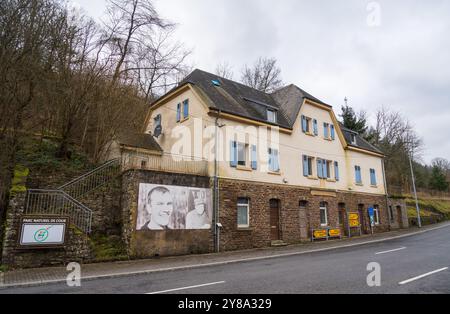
[243,168]
[374,186]
[309,134]
[328,139]
[274,173]
[359,184]
[244,229]
[313,178]
[183,120]
[331,180]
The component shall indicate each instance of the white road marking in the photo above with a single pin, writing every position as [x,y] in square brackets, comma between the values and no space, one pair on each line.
[190,287]
[391,251]
[423,276]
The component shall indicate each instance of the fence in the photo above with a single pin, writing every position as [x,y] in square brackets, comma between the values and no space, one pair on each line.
[165,163]
[57,202]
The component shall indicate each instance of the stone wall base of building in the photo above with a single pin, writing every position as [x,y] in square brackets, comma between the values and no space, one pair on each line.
[299,213]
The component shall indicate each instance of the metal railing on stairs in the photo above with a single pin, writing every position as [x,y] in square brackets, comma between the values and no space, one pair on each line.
[63,201]
[93,179]
[57,202]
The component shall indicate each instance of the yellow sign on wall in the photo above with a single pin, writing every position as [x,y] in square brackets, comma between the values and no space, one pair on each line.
[353,216]
[334,233]
[320,234]
[353,220]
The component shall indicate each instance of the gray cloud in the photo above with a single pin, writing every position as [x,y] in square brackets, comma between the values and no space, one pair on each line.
[327,48]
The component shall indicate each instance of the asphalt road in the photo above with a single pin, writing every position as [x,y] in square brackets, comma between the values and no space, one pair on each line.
[403,262]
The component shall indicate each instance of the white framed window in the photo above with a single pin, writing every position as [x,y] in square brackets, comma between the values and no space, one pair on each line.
[274,160]
[358,176]
[353,138]
[242,154]
[376,215]
[326,130]
[323,214]
[373,177]
[243,212]
[271,116]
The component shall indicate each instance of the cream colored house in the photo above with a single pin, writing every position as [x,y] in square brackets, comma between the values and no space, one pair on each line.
[301,147]
[284,164]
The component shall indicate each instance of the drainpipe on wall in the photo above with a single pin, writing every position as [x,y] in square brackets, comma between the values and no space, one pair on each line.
[386,192]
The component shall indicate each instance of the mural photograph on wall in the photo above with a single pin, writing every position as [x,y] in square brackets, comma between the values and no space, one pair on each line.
[168,207]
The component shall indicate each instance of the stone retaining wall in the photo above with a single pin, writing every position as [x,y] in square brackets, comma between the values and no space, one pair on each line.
[76,250]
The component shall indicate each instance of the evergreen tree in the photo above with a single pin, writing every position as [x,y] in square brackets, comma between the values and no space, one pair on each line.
[353,121]
[438,180]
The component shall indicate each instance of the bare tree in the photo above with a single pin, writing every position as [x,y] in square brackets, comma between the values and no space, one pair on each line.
[264,75]
[396,137]
[129,24]
[225,70]
[158,63]
[27,29]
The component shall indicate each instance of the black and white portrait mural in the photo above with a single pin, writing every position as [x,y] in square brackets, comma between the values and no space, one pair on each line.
[168,207]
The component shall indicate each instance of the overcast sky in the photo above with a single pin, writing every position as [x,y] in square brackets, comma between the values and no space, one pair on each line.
[391,53]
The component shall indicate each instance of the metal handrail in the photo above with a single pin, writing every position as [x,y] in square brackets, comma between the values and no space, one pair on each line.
[92,180]
[58,202]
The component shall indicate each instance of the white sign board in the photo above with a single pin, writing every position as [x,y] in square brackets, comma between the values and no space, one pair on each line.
[43,232]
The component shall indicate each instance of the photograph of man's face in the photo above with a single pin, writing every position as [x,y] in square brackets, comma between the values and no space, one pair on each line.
[160,208]
[167,207]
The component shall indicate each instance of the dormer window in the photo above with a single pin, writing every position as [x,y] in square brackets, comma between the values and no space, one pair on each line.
[271,116]
[353,137]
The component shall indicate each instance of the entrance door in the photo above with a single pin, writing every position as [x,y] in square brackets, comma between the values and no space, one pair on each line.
[275,220]
[399,217]
[362,216]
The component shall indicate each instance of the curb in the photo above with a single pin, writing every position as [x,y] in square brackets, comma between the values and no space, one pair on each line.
[195,266]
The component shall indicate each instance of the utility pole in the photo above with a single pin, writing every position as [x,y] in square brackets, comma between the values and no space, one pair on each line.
[419,220]
[216,186]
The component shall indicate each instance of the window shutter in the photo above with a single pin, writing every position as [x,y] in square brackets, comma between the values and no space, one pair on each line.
[254,158]
[304,124]
[319,168]
[233,154]
[316,128]
[186,108]
[305,166]
[178,112]
[333,133]
[336,170]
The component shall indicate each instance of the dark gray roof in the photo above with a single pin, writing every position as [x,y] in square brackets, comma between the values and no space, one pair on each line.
[241,100]
[290,99]
[235,98]
[140,140]
[360,141]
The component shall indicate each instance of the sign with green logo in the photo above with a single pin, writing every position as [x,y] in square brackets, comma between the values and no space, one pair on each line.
[41,231]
